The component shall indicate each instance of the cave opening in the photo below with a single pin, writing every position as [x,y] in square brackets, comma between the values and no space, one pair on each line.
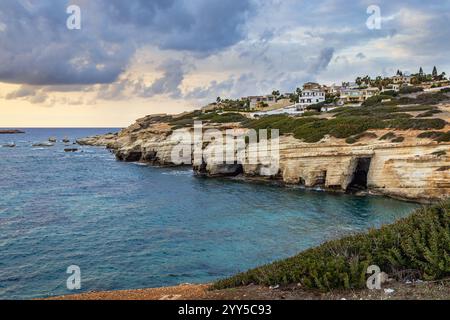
[359,180]
[320,179]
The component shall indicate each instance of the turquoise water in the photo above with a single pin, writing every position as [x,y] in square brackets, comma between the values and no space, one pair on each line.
[132,226]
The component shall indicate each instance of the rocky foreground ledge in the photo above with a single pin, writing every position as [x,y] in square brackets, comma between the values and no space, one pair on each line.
[409,168]
[393,291]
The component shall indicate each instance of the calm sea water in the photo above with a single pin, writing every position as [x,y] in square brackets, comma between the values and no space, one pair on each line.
[132,226]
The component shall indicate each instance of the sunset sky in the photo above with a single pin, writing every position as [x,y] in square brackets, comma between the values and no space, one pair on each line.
[137,57]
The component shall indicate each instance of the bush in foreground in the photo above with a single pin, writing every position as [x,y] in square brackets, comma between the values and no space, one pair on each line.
[438,136]
[420,242]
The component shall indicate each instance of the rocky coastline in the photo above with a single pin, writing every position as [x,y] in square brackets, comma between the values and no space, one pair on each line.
[413,170]
[11,131]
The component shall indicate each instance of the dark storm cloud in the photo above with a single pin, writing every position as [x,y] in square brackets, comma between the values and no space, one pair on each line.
[36,47]
[280,43]
[167,84]
[323,60]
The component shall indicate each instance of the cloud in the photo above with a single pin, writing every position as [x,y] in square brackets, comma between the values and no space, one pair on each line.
[28,93]
[361,56]
[198,50]
[322,60]
[36,48]
[168,84]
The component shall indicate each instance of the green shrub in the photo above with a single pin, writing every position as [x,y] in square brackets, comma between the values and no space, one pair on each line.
[222,118]
[341,109]
[348,122]
[431,98]
[445,137]
[398,140]
[382,111]
[182,123]
[284,123]
[416,108]
[436,136]
[429,113]
[430,135]
[316,107]
[439,153]
[354,139]
[388,136]
[420,242]
[391,93]
[407,90]
[340,128]
[416,124]
[375,100]
[310,113]
[422,99]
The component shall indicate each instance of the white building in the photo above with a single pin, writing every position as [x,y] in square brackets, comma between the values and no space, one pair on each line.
[310,97]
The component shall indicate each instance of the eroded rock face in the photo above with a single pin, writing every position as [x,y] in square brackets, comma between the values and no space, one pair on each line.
[99,141]
[416,169]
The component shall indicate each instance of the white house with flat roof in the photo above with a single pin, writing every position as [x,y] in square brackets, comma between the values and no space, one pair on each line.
[310,97]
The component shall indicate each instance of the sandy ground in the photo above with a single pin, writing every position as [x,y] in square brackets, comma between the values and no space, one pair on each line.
[394,291]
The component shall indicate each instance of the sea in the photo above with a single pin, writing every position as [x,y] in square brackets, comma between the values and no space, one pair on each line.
[129,225]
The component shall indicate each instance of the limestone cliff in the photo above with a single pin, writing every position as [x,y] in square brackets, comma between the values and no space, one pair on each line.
[415,169]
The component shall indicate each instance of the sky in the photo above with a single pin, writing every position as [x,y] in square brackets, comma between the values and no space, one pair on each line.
[132,58]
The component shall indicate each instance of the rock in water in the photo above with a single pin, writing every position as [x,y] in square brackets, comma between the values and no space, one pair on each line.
[9,145]
[51,139]
[11,131]
[70,150]
[43,144]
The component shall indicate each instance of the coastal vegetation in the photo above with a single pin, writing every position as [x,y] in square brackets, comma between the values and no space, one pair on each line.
[416,246]
[388,136]
[352,124]
[438,136]
[409,90]
[349,123]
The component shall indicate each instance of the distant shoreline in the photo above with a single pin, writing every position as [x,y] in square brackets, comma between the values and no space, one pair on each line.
[11,131]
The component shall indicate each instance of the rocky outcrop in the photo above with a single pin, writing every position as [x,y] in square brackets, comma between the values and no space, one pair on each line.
[11,131]
[98,141]
[416,169]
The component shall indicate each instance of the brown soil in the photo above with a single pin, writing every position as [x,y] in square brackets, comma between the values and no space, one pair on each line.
[418,291]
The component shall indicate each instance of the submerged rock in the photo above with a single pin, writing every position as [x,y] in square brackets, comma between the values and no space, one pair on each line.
[43,144]
[70,150]
[9,145]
